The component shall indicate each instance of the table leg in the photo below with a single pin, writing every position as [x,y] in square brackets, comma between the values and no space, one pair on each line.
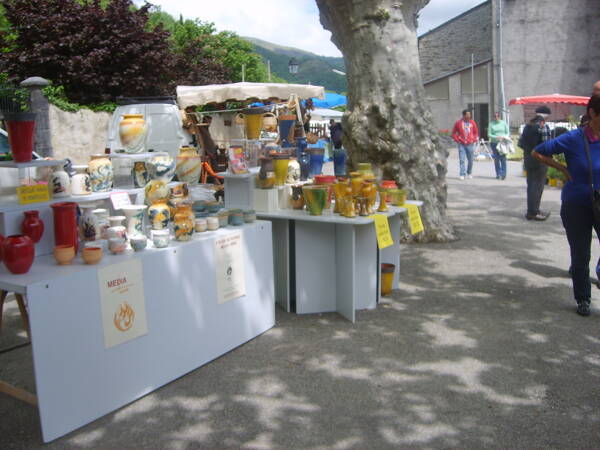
[24,315]
[18,393]
[3,295]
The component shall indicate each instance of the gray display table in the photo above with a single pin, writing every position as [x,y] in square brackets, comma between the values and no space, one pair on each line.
[330,263]
[78,379]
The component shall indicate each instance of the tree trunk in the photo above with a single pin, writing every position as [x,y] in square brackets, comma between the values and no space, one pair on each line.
[388,122]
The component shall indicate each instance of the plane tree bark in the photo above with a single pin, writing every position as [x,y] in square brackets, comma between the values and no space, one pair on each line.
[387,121]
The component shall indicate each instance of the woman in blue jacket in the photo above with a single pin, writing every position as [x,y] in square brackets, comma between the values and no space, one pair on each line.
[576,210]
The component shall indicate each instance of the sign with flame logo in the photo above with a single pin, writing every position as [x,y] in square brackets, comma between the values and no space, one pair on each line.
[122,301]
[229,265]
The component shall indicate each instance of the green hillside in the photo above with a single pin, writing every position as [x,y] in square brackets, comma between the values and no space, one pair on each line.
[313,69]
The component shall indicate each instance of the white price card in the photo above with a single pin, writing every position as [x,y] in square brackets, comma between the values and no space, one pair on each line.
[119,199]
[229,266]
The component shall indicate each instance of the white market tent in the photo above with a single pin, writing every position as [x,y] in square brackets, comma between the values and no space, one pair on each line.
[324,114]
[220,93]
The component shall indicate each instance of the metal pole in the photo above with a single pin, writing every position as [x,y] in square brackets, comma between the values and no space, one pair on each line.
[269,69]
[473,84]
[243,72]
[503,109]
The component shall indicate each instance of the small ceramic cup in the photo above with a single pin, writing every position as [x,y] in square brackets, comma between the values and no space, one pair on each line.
[236,217]
[117,245]
[92,255]
[138,242]
[201,225]
[223,216]
[212,223]
[64,254]
[161,238]
[249,216]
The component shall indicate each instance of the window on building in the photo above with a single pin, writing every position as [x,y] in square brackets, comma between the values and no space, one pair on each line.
[438,90]
[481,80]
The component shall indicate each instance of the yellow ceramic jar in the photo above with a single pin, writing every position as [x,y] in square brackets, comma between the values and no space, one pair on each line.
[189,165]
[132,132]
[183,222]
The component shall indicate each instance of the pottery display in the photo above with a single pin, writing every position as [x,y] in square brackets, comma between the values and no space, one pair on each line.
[269,122]
[356,181]
[102,222]
[183,222]
[92,255]
[348,203]
[382,200]
[161,238]
[297,197]
[139,174]
[21,132]
[398,196]
[179,190]
[138,242]
[156,190]
[32,226]
[339,191]
[65,224]
[366,170]
[315,198]
[88,223]
[362,206]
[280,168]
[117,245]
[339,162]
[223,216]
[236,217]
[116,229]
[100,169]
[189,165]
[80,182]
[286,126]
[328,181]
[387,278]
[132,132]
[266,175]
[135,219]
[388,184]
[60,183]
[304,162]
[253,121]
[316,156]
[212,223]
[159,214]
[161,167]
[18,252]
[369,192]
[293,175]
[249,215]
[64,254]
[200,225]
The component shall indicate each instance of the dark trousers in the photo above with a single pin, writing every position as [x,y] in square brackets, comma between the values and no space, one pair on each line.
[499,161]
[578,221]
[536,179]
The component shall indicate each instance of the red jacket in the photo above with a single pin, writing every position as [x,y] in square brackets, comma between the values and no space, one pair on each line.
[460,135]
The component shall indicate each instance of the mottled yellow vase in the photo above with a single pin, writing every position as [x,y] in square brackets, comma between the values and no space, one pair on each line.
[132,132]
[183,222]
[189,165]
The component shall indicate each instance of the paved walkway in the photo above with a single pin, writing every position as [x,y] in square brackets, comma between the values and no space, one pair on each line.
[480,347]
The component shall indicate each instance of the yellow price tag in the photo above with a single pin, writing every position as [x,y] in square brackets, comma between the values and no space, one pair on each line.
[33,194]
[382,229]
[414,218]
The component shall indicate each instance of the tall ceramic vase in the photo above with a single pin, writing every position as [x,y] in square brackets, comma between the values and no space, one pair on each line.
[339,162]
[100,169]
[159,214]
[316,160]
[280,165]
[18,252]
[20,128]
[60,183]
[32,226]
[315,198]
[135,219]
[189,165]
[65,224]
[132,132]
[286,124]
[88,223]
[183,222]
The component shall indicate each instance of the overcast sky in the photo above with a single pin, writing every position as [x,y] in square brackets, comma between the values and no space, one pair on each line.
[293,23]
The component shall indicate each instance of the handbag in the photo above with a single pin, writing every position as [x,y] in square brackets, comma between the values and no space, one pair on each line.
[595,192]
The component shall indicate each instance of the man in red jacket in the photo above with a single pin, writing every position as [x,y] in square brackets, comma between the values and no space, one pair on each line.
[465,134]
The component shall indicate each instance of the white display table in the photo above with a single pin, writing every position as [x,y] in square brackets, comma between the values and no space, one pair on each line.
[329,263]
[79,380]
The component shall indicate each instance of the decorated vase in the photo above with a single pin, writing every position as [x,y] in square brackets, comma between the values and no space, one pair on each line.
[161,167]
[156,190]
[88,223]
[304,162]
[189,165]
[80,182]
[102,222]
[132,132]
[116,229]
[315,198]
[100,169]
[140,175]
[135,219]
[339,162]
[18,252]
[21,134]
[183,222]
[60,183]
[32,226]
[159,214]
[280,167]
[65,224]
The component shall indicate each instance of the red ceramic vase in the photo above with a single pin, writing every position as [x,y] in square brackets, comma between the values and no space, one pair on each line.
[18,252]
[65,224]
[20,128]
[33,226]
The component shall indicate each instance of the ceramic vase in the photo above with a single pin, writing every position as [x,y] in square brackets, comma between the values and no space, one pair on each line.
[183,222]
[60,183]
[304,161]
[116,229]
[280,167]
[100,169]
[301,145]
[366,169]
[316,156]
[382,200]
[18,253]
[315,198]
[339,162]
[80,182]
[387,185]
[140,175]
[266,175]
[339,190]
[132,132]
[88,225]
[387,278]
[65,224]
[161,167]
[327,181]
[21,132]
[117,245]
[297,197]
[293,175]
[156,190]
[159,214]
[189,165]
[253,118]
[32,226]
[286,124]
[135,219]
[102,222]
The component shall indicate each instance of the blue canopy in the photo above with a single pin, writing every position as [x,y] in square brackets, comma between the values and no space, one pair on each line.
[331,100]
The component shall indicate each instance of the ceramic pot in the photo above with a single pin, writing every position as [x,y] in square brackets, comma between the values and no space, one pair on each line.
[88,223]
[32,226]
[18,252]
[249,216]
[117,245]
[269,122]
[160,238]
[212,223]
[369,192]
[348,204]
[60,183]
[297,197]
[92,255]
[100,169]
[293,175]
[382,200]
[135,219]
[102,222]
[356,181]
[304,161]
[140,175]
[398,196]
[280,167]
[301,145]
[339,162]
[387,185]
[179,190]
[116,229]
[138,243]
[21,131]
[339,191]
[266,175]
[366,169]
[159,214]
[64,254]
[132,132]
[80,182]
[286,125]
[315,198]
[183,222]
[223,216]
[316,156]
[200,225]
[236,217]
[253,122]
[362,206]
[161,167]
[328,181]
[387,278]
[189,165]
[65,224]
[156,190]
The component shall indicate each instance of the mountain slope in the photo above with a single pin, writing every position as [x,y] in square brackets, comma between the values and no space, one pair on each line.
[313,69]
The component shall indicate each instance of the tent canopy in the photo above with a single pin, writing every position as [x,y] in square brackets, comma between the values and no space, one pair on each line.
[220,93]
[552,98]
[331,100]
[325,114]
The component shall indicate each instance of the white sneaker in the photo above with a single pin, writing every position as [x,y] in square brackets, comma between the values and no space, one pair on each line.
[461,177]
[470,177]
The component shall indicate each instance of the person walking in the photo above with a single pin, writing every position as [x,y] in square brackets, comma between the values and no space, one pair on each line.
[580,147]
[534,133]
[465,134]
[335,133]
[498,131]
